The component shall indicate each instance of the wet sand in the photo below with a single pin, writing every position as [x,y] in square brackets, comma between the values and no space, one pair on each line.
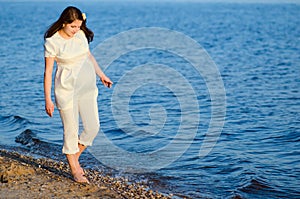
[27,177]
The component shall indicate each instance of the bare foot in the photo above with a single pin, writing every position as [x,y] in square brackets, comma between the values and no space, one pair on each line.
[81,170]
[78,177]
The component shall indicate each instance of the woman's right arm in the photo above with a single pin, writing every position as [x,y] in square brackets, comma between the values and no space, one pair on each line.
[49,105]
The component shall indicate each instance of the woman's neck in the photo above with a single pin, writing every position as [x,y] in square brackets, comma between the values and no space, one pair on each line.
[63,34]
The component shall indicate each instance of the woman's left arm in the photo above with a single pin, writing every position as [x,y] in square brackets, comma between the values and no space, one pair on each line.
[105,80]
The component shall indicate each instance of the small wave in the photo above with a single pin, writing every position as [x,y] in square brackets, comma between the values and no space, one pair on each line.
[27,138]
[6,121]
[10,127]
[36,146]
[18,118]
[259,187]
[254,185]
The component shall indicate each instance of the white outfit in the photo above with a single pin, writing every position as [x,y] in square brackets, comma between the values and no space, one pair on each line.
[75,89]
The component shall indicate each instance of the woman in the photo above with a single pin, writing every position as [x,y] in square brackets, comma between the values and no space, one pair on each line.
[66,43]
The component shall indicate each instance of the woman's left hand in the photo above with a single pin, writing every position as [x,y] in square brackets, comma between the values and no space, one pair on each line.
[106,81]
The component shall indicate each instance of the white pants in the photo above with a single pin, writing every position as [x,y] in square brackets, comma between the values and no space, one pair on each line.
[87,109]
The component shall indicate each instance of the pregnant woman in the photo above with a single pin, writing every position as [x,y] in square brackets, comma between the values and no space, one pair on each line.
[67,44]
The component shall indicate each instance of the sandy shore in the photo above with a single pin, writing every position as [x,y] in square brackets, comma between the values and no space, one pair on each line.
[26,177]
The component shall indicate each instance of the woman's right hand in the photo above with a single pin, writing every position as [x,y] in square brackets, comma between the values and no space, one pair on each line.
[49,107]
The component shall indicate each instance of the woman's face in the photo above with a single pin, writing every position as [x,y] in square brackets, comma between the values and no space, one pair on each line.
[72,28]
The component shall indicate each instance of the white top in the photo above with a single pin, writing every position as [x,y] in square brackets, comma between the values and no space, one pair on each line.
[75,74]
[65,50]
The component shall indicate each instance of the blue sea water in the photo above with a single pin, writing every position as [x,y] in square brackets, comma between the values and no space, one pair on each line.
[256,48]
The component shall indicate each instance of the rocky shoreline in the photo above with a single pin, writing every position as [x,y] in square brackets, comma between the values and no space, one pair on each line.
[23,176]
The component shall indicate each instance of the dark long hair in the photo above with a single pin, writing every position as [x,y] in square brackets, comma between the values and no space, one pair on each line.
[69,15]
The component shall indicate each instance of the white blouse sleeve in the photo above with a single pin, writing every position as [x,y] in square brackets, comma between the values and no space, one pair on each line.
[49,48]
